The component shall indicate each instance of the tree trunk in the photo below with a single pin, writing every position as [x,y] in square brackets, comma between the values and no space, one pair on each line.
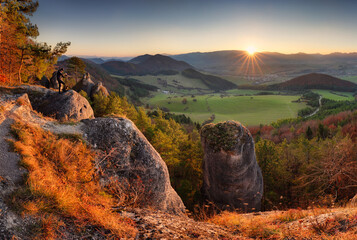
[21,63]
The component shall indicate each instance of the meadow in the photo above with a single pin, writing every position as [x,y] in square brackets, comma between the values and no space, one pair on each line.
[349,78]
[249,110]
[243,105]
[334,95]
[174,80]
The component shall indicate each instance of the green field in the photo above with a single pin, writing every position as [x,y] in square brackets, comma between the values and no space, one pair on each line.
[333,95]
[249,110]
[174,80]
[350,78]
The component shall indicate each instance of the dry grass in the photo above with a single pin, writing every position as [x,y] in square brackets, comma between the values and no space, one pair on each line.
[292,224]
[22,101]
[62,182]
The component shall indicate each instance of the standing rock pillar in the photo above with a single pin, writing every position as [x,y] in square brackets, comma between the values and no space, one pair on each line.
[232,177]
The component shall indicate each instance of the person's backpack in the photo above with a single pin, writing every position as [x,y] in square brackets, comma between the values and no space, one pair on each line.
[53,80]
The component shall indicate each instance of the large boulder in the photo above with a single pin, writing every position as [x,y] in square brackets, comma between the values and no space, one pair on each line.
[130,160]
[86,84]
[65,106]
[232,177]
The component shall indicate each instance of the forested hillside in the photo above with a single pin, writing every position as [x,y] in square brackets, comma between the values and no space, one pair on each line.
[315,81]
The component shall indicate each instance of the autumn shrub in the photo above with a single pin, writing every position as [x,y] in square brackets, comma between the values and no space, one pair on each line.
[62,182]
[3,79]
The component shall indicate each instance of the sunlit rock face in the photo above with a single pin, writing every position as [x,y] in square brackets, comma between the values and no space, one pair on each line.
[232,177]
[85,84]
[68,106]
[90,88]
[98,88]
[131,161]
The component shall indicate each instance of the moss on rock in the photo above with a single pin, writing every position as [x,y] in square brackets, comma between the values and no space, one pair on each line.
[223,136]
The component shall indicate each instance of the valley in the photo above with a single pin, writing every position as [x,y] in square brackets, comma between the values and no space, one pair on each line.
[253,105]
[249,109]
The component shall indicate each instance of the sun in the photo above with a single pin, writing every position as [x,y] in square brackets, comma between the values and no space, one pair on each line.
[251,50]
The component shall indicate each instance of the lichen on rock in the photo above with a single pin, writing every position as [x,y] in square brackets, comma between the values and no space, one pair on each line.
[224,136]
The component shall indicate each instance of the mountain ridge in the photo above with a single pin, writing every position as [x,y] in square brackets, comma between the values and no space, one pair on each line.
[145,64]
[316,81]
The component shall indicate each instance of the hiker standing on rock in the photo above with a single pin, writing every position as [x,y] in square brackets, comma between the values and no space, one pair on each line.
[60,77]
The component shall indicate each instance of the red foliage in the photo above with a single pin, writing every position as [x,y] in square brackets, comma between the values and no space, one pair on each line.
[351,130]
[335,119]
[313,124]
[284,133]
[332,127]
[254,130]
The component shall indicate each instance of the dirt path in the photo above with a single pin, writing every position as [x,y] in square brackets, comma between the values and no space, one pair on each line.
[317,110]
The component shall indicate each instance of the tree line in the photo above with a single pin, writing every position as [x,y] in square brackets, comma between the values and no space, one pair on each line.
[22,58]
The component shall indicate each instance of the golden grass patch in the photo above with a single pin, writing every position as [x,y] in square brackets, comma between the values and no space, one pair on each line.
[62,181]
[292,224]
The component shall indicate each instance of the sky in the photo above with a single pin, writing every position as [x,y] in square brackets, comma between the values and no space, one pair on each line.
[127,28]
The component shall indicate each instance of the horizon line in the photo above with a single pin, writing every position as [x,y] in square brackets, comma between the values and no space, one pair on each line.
[172,54]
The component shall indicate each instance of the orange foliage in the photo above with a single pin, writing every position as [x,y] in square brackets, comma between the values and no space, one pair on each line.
[62,179]
[351,130]
[8,52]
[3,79]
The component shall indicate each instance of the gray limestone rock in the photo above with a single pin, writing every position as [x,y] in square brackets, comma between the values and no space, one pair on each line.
[130,158]
[232,177]
[65,106]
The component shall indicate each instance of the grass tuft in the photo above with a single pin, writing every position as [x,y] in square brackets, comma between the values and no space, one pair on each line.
[292,224]
[62,182]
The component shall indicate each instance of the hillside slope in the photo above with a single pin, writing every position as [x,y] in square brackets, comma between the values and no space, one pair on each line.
[146,64]
[285,65]
[213,82]
[316,81]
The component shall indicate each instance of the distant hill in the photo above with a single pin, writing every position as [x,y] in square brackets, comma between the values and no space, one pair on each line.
[213,82]
[316,81]
[140,59]
[122,68]
[146,64]
[96,60]
[231,62]
[62,58]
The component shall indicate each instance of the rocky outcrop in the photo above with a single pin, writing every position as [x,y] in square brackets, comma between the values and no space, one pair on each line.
[66,106]
[88,86]
[99,89]
[130,158]
[232,177]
